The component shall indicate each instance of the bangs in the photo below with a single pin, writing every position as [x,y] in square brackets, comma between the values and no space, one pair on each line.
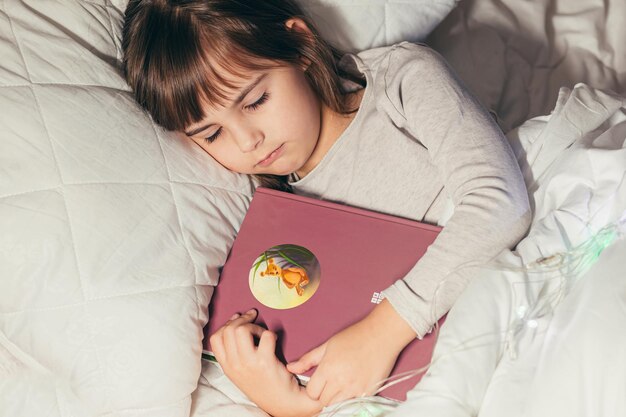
[224,71]
[175,82]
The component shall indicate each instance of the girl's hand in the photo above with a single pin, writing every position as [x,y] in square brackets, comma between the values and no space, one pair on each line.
[351,362]
[256,370]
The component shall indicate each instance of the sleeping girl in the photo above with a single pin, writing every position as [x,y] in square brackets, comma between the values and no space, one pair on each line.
[389,129]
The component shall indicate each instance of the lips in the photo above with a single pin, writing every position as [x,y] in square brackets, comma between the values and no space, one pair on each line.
[271,157]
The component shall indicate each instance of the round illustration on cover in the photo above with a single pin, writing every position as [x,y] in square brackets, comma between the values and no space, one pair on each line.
[284,276]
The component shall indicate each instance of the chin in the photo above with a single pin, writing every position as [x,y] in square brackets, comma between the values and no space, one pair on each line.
[282,172]
[285,170]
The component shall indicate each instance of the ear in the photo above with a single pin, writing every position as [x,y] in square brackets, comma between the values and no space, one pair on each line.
[299,25]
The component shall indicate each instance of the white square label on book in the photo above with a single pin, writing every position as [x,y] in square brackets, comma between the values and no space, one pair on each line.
[377,298]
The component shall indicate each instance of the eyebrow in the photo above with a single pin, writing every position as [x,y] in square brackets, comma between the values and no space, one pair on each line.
[238,100]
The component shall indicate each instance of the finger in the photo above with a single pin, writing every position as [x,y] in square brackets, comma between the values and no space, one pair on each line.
[267,343]
[228,330]
[244,339]
[233,317]
[237,339]
[217,346]
[229,343]
[247,317]
[308,360]
[315,387]
[222,343]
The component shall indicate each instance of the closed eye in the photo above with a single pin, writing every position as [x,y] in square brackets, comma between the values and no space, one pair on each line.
[259,102]
[253,106]
[214,135]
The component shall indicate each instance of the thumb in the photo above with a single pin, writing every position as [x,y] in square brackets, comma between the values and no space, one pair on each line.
[308,360]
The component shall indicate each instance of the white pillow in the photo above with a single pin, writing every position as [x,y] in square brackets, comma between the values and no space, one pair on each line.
[111,230]
[355,25]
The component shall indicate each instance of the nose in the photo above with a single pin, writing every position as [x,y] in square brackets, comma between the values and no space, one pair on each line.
[248,137]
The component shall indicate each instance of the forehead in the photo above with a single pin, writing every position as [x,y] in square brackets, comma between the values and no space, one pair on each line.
[225,75]
[230,89]
[227,88]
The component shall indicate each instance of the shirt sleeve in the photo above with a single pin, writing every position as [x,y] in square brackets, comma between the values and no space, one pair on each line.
[479,173]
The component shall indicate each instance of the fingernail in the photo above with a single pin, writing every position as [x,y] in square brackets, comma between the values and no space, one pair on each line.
[252,310]
[234,316]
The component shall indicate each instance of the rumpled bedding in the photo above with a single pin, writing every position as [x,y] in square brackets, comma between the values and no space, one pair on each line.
[112,231]
[547,341]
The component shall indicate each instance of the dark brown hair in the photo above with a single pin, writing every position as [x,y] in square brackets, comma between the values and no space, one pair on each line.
[173,49]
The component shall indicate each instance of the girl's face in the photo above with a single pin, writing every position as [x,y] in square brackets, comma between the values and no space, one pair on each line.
[270,124]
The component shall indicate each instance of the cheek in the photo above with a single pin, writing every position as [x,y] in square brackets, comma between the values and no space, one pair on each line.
[219,152]
[283,119]
[303,111]
[225,154]
[201,143]
[299,102]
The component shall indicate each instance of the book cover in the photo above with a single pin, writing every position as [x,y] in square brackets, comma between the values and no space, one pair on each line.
[311,268]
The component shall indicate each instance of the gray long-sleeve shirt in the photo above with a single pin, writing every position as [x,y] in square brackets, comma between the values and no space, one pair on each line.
[421,147]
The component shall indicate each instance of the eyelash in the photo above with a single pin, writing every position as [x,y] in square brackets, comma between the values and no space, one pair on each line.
[259,102]
[253,106]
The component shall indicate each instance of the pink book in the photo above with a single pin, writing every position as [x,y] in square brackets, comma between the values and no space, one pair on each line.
[311,268]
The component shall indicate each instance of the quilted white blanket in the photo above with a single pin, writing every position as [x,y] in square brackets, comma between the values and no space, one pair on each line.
[111,231]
